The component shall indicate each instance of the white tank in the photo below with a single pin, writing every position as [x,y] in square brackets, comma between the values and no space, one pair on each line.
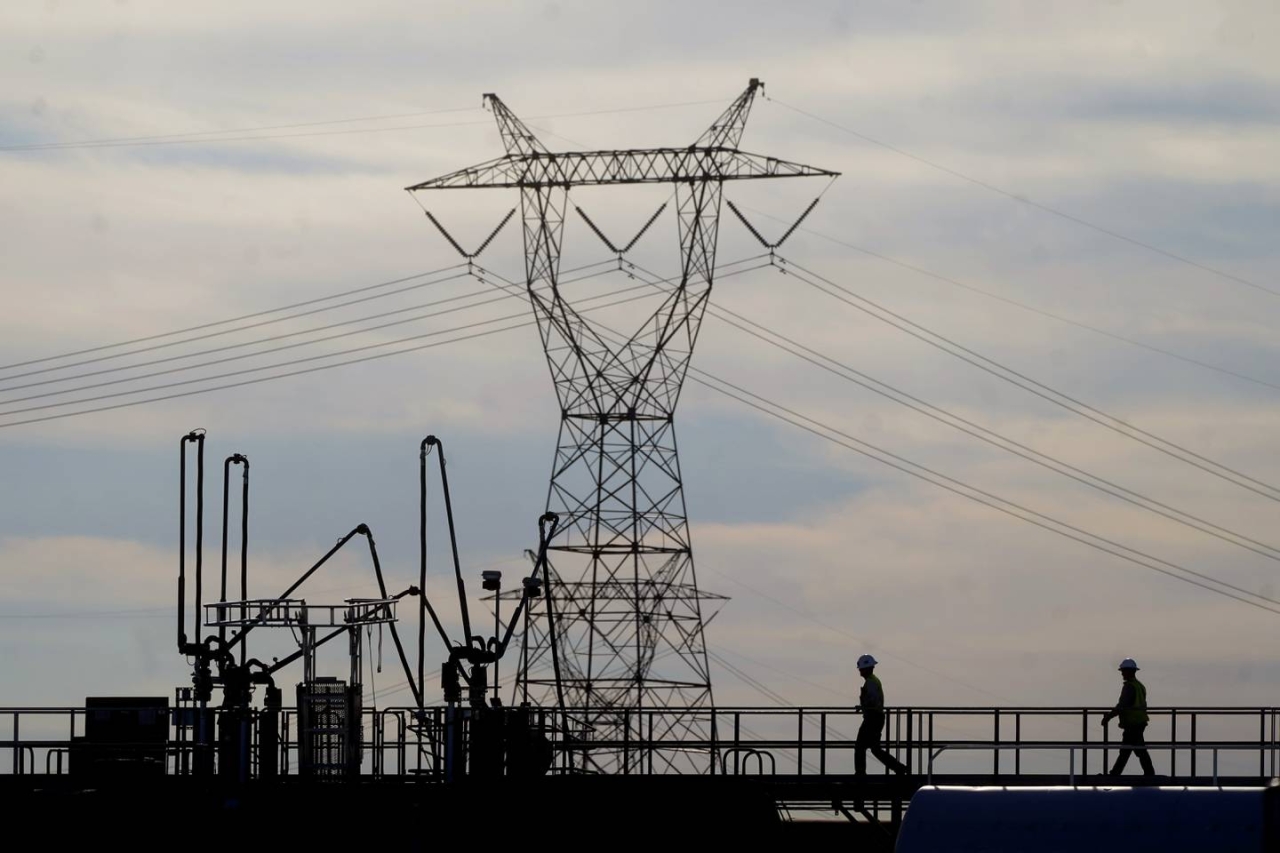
[1092,820]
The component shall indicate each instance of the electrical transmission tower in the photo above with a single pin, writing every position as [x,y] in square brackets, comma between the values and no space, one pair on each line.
[624,600]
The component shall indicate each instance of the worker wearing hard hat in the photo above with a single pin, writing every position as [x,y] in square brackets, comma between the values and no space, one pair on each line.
[1132,711]
[871,704]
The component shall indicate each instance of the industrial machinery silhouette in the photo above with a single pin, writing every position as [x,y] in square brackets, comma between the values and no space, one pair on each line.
[480,737]
[631,614]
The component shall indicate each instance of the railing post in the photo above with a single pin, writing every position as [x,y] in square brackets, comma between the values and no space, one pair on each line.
[626,742]
[910,739]
[1173,739]
[931,747]
[1194,720]
[996,752]
[1017,738]
[714,750]
[800,741]
[650,743]
[737,741]
[17,749]
[1084,738]
[1262,739]
[822,749]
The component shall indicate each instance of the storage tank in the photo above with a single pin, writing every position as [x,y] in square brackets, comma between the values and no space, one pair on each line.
[1052,819]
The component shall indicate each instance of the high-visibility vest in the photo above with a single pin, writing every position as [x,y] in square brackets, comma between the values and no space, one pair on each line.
[1137,714]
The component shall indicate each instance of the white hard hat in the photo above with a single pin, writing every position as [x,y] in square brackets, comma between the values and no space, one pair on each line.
[866,661]
[1128,663]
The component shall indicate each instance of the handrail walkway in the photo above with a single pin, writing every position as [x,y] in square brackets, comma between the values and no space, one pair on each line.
[1000,743]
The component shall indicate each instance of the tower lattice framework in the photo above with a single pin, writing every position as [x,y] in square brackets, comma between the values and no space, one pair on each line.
[627,606]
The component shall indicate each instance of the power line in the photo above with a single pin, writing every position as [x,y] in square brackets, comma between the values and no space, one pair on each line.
[982,433]
[1021,199]
[242,383]
[189,138]
[254,138]
[216,323]
[900,463]
[308,359]
[255,325]
[972,493]
[122,139]
[259,341]
[1032,386]
[1226,371]
[255,342]
[469,272]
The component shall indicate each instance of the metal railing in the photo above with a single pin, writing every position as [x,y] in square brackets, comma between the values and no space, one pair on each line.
[1186,743]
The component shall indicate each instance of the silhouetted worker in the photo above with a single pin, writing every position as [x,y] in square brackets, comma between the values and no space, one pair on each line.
[1132,711]
[871,704]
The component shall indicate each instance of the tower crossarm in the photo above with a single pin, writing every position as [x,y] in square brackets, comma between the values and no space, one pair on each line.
[633,166]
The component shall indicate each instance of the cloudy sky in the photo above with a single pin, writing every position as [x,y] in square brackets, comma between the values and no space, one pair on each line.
[256,158]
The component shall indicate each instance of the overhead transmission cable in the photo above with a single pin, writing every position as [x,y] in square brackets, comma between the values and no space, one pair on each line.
[1022,199]
[1026,383]
[215,323]
[259,341]
[1009,445]
[814,427]
[937,276]
[951,484]
[262,133]
[303,371]
[958,487]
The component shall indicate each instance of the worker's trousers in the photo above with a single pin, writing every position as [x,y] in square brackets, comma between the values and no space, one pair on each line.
[869,739]
[1134,741]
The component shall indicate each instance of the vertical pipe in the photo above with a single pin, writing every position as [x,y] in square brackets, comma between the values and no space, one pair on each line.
[244,545]
[198,438]
[497,632]
[182,545]
[422,582]
[222,596]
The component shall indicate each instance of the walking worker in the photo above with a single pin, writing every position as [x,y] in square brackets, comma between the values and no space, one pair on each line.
[871,704]
[1132,711]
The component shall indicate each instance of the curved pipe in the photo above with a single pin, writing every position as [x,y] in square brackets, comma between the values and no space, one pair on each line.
[429,442]
[554,520]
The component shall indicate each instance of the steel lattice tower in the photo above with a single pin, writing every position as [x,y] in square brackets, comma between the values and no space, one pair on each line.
[630,615]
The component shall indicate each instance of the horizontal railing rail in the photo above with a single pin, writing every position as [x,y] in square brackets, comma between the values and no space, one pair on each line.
[1202,742]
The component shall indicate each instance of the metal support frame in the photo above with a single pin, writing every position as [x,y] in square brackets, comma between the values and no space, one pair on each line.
[629,612]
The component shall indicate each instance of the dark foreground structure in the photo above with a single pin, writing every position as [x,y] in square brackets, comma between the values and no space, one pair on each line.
[980,778]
